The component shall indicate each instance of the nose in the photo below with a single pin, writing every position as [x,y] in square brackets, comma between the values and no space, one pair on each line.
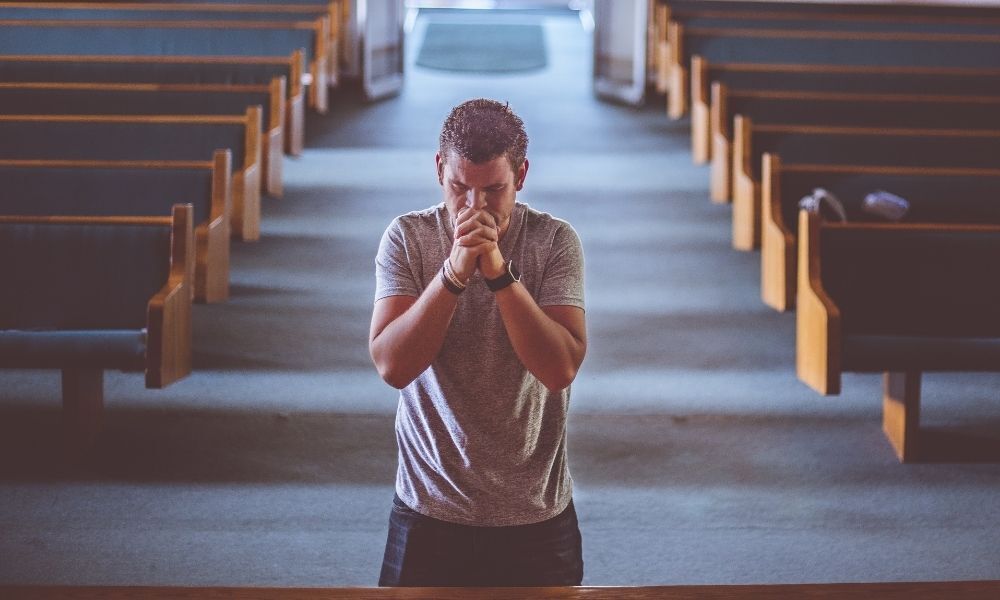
[475,198]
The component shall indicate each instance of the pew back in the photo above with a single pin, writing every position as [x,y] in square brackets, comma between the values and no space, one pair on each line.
[161,99]
[90,293]
[175,38]
[935,195]
[189,11]
[134,188]
[913,147]
[81,274]
[173,70]
[928,148]
[766,107]
[776,46]
[861,79]
[154,138]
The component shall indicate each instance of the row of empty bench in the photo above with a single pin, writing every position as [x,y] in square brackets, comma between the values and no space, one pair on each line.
[784,98]
[136,143]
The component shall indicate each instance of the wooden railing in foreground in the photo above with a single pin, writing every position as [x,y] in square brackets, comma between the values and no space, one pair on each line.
[952,590]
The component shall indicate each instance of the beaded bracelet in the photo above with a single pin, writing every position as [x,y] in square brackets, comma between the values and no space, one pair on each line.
[451,282]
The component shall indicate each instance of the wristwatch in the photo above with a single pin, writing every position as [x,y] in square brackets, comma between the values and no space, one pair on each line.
[511,274]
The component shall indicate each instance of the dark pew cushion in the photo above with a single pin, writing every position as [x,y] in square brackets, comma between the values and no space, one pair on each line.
[119,349]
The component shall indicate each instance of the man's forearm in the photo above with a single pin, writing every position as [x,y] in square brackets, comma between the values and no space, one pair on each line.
[410,342]
[549,350]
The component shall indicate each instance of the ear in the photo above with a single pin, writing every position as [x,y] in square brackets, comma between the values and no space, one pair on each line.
[521,174]
[439,164]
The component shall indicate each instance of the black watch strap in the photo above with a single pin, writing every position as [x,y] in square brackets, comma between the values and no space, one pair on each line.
[511,274]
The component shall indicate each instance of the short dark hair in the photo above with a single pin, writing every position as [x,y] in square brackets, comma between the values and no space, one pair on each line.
[480,130]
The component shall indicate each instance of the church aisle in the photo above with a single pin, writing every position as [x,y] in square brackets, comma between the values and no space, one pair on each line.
[697,455]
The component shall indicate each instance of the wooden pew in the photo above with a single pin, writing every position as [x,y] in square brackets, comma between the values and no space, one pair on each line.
[925,590]
[941,195]
[774,13]
[85,294]
[148,138]
[210,11]
[900,300]
[175,38]
[780,107]
[816,144]
[740,77]
[172,70]
[162,99]
[823,47]
[132,188]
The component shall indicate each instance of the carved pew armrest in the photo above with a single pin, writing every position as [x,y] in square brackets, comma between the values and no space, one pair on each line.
[817,318]
[169,311]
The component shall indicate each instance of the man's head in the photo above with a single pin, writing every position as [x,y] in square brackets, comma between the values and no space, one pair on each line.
[480,130]
[481,158]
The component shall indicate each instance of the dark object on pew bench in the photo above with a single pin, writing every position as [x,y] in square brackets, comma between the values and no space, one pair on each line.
[128,188]
[935,195]
[816,144]
[175,38]
[900,299]
[161,99]
[148,138]
[172,70]
[92,293]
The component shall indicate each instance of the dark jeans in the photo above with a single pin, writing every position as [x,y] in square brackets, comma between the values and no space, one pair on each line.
[422,551]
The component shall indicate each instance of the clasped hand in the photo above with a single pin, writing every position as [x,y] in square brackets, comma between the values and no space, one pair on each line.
[476,244]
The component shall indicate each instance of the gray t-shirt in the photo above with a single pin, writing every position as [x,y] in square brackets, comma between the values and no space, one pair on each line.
[481,440]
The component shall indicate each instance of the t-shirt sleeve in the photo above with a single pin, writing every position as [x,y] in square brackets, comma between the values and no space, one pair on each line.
[393,271]
[562,282]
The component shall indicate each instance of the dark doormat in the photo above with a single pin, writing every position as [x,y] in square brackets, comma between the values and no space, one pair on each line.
[483,48]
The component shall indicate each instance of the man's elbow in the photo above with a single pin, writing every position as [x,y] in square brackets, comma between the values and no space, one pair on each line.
[558,381]
[389,370]
[392,376]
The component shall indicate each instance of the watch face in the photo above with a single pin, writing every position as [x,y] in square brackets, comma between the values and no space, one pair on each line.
[514,272]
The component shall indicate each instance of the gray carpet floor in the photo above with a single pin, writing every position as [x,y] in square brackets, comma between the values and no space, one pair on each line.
[697,455]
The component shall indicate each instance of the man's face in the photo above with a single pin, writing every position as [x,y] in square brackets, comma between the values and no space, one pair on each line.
[490,186]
